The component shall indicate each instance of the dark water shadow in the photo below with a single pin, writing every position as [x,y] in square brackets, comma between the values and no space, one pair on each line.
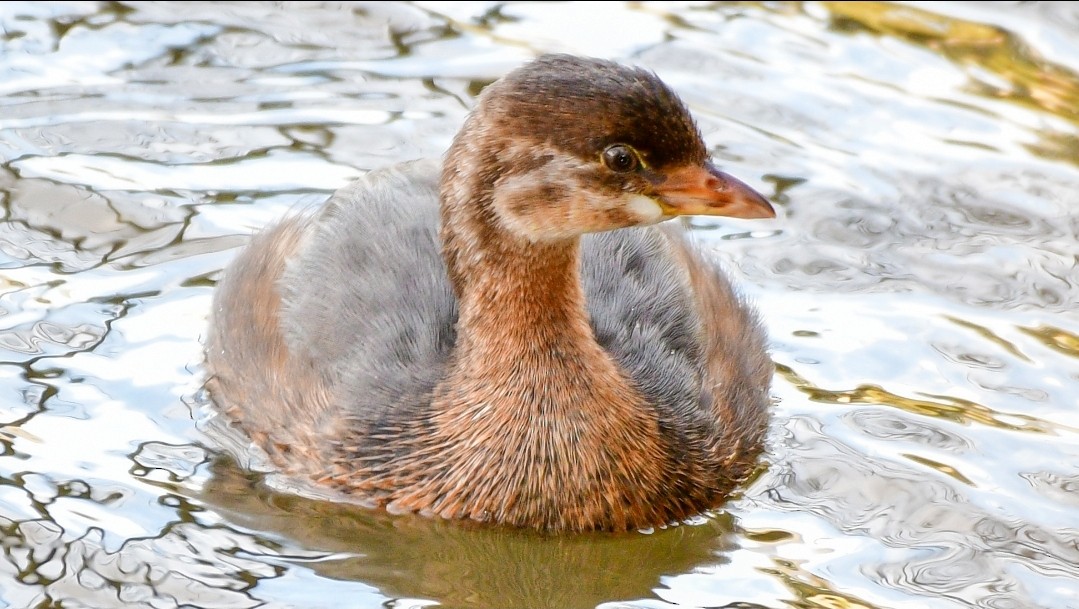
[464,565]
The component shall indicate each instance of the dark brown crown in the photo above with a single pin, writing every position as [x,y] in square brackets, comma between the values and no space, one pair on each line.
[582,105]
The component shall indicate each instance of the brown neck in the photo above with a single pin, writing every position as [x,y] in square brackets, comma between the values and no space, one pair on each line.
[523,328]
[525,298]
[516,296]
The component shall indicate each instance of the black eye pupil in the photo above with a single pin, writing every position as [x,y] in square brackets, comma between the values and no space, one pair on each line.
[619,158]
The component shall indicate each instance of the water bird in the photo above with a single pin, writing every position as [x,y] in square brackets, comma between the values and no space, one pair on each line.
[511,335]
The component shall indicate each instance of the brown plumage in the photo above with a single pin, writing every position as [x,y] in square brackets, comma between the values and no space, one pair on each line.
[479,342]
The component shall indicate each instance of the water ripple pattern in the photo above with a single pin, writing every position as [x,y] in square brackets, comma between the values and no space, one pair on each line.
[919,287]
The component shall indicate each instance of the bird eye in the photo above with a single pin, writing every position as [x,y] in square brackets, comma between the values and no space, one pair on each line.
[620,158]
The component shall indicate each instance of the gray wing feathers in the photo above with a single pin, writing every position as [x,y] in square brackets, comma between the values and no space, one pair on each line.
[642,313]
[368,300]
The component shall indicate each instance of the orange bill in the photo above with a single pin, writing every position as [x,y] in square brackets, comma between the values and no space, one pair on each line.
[703,190]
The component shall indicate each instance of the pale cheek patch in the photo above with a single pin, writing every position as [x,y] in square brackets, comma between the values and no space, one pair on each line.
[645,209]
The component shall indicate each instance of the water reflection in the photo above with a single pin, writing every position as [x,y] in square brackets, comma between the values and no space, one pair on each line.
[1012,70]
[44,567]
[466,566]
[933,538]
[955,240]
[1058,339]
[936,406]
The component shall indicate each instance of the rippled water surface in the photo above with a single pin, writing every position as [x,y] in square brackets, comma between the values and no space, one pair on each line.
[919,289]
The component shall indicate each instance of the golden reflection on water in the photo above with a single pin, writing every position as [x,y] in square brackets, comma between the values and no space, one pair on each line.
[945,407]
[943,468]
[812,592]
[1028,80]
[1061,341]
[989,335]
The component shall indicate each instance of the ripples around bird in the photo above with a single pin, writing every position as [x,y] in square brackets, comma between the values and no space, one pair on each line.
[919,290]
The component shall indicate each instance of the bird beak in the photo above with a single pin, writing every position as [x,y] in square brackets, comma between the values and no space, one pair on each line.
[703,190]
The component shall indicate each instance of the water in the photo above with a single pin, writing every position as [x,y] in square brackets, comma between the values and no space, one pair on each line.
[919,289]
